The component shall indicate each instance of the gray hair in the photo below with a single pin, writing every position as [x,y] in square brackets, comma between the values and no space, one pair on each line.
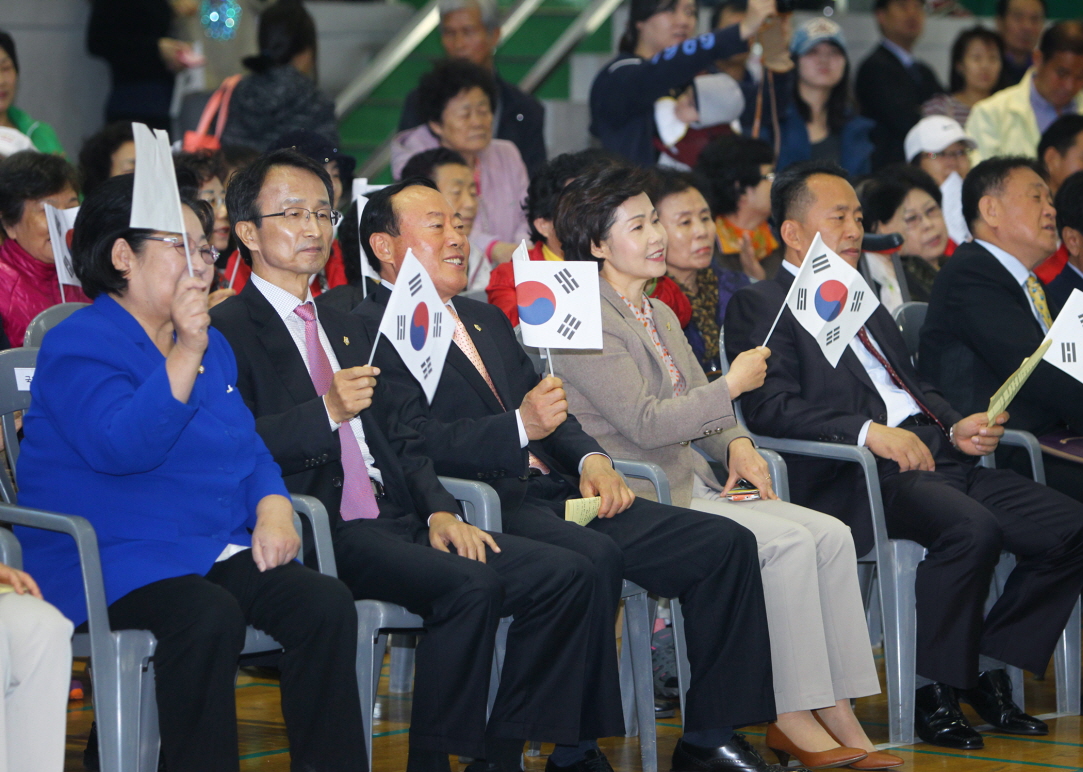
[490,14]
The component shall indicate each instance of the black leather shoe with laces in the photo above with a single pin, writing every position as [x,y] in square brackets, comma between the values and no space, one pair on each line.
[992,699]
[737,755]
[939,721]
[593,761]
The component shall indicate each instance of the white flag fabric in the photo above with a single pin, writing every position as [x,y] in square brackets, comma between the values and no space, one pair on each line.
[361,187]
[830,299]
[156,200]
[418,324]
[559,304]
[1067,336]
[61,222]
[951,196]
[366,269]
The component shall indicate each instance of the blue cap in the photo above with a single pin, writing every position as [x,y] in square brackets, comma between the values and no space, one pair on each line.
[817,31]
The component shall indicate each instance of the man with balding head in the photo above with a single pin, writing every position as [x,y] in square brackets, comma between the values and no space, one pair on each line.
[934,491]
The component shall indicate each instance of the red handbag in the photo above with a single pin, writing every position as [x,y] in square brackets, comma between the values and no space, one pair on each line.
[217,110]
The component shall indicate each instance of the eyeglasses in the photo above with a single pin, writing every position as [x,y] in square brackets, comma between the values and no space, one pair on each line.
[207,252]
[295,215]
[953,155]
[931,214]
[769,177]
[213,200]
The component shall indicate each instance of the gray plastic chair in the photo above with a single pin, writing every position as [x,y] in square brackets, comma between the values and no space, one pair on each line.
[47,320]
[910,317]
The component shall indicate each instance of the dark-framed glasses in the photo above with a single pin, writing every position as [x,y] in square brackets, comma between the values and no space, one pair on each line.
[296,215]
[208,253]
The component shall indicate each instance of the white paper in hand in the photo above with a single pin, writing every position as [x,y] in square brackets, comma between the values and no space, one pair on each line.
[951,195]
[156,200]
[559,304]
[61,223]
[830,299]
[1066,333]
[366,269]
[418,324]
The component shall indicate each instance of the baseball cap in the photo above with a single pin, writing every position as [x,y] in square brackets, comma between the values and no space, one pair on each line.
[817,31]
[934,133]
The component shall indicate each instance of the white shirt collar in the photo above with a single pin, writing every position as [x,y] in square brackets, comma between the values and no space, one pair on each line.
[1018,271]
[282,301]
[1078,272]
[790,267]
[900,53]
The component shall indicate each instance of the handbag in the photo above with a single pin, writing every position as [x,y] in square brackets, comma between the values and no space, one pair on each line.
[217,110]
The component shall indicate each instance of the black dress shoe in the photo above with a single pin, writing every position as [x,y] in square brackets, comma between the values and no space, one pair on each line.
[593,761]
[735,756]
[939,721]
[992,699]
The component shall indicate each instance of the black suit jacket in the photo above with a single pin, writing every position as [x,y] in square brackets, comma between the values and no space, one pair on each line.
[978,330]
[1060,289]
[292,420]
[466,431]
[804,398]
[889,94]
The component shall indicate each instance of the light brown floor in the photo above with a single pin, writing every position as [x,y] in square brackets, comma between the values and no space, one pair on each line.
[263,744]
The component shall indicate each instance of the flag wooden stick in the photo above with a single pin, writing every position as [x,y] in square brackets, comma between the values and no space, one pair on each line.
[549,359]
[236,265]
[62,300]
[775,323]
[374,345]
[184,238]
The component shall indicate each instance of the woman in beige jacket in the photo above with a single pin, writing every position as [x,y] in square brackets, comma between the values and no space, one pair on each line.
[645,396]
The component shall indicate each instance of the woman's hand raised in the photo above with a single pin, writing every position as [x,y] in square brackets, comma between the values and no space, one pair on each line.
[748,371]
[189,313]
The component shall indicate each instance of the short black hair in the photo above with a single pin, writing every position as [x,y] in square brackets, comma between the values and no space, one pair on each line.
[446,80]
[958,53]
[1069,203]
[425,163]
[664,182]
[349,244]
[883,194]
[548,182]
[588,207]
[285,30]
[246,185]
[235,157]
[729,166]
[987,178]
[880,5]
[1060,135]
[96,155]
[103,218]
[790,189]
[1063,36]
[380,216]
[7,44]
[1002,8]
[28,176]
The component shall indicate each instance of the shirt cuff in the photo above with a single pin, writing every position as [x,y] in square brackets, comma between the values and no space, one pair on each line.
[523,439]
[864,433]
[584,459]
[428,520]
[334,424]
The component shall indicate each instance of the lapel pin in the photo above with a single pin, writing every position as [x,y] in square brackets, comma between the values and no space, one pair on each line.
[477,327]
[668,327]
[201,369]
[229,389]
[345,340]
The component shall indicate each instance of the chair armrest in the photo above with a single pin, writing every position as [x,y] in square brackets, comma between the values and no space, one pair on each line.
[313,510]
[11,552]
[646,470]
[481,504]
[776,467]
[1021,439]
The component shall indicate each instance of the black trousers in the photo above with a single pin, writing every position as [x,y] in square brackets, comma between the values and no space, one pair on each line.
[709,562]
[965,515]
[544,676]
[200,621]
[1060,473]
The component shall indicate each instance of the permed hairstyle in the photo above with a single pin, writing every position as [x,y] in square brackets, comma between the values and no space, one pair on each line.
[588,207]
[30,176]
[380,216]
[487,9]
[1069,203]
[987,179]
[548,182]
[729,166]
[664,182]
[96,156]
[882,195]
[446,80]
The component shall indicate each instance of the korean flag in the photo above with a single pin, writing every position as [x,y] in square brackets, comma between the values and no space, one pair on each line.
[1066,352]
[61,223]
[559,303]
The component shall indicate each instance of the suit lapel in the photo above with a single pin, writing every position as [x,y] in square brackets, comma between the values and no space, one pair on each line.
[490,355]
[611,296]
[271,333]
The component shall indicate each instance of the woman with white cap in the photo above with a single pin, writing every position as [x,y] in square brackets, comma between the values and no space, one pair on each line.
[938,145]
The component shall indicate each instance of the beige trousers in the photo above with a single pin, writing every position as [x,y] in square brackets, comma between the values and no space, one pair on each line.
[820,649]
[35,671]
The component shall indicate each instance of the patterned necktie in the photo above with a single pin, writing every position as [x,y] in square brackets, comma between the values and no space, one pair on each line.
[358,498]
[1037,296]
[466,345]
[863,336]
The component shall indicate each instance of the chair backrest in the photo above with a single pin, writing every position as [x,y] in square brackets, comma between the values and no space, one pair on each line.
[900,276]
[47,320]
[16,372]
[910,317]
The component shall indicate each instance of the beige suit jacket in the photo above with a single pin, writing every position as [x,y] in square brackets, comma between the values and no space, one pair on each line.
[623,397]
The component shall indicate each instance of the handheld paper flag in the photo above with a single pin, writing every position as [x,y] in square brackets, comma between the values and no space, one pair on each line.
[1003,397]
[367,271]
[1066,334]
[559,304]
[361,187]
[61,222]
[830,300]
[951,194]
[418,324]
[156,200]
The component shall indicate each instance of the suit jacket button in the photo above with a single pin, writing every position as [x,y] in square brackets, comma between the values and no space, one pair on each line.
[337,482]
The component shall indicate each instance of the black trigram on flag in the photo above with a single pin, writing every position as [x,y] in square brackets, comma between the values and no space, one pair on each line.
[832,336]
[858,297]
[415,285]
[566,280]
[400,327]
[802,299]
[1067,353]
[821,263]
[1080,317]
[426,366]
[569,326]
[437,324]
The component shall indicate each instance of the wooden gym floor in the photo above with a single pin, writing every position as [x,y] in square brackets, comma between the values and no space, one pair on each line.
[263,744]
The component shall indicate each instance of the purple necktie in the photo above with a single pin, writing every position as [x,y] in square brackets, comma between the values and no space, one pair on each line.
[358,498]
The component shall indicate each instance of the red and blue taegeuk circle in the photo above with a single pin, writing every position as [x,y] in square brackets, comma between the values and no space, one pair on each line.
[419,326]
[830,299]
[536,302]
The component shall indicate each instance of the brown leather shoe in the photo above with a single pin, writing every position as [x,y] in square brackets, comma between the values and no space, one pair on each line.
[875,759]
[784,748]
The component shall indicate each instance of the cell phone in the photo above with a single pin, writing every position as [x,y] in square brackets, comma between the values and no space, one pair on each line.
[743,491]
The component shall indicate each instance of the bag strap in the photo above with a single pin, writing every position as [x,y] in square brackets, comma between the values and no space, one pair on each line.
[226,91]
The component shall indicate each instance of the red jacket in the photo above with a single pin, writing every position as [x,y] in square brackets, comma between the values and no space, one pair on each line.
[501,291]
[333,271]
[27,287]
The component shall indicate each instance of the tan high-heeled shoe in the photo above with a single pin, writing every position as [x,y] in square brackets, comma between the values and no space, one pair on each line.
[784,747]
[874,759]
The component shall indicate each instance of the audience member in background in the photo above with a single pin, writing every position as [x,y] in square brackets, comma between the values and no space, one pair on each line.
[237,157]
[934,490]
[470,29]
[40,135]
[623,95]
[135,40]
[644,397]
[106,154]
[891,84]
[1069,205]
[199,176]
[938,146]
[28,278]
[1020,24]
[690,260]
[456,100]
[902,199]
[1060,154]
[735,176]
[988,312]
[976,63]
[346,297]
[136,425]
[280,94]
[1012,121]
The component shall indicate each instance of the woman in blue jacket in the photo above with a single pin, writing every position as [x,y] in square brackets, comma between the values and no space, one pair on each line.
[136,424]
[658,55]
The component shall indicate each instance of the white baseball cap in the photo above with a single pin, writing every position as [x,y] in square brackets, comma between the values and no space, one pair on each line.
[933,134]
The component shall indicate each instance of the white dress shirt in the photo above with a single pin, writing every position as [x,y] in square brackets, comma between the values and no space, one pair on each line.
[1018,271]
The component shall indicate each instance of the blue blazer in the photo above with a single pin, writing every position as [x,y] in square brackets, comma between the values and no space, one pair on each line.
[166,485]
[1060,289]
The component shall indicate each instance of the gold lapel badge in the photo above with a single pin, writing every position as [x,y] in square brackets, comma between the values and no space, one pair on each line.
[345,340]
[477,327]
